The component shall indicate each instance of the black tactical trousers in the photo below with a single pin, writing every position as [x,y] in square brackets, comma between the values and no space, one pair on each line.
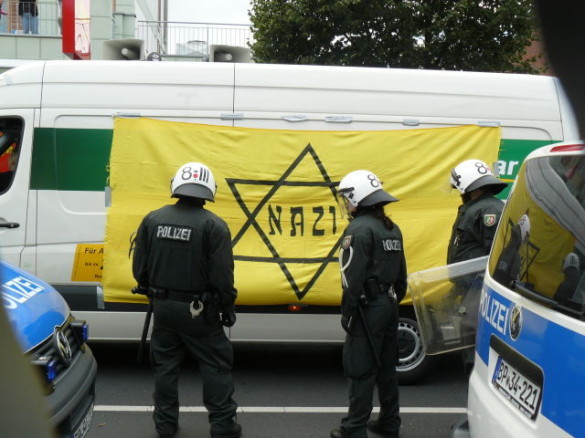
[174,334]
[363,374]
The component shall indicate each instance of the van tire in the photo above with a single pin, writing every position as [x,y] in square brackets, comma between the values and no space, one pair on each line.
[413,363]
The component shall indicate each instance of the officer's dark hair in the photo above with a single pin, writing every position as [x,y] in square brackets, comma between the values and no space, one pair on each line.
[490,189]
[378,212]
[198,202]
[474,194]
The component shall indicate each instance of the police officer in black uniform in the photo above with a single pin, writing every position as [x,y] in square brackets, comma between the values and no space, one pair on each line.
[477,218]
[373,269]
[474,229]
[183,260]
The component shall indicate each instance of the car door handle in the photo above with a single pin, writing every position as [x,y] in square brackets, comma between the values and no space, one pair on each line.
[9,225]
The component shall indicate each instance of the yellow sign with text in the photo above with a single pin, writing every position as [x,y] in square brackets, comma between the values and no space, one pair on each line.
[276,190]
[88,263]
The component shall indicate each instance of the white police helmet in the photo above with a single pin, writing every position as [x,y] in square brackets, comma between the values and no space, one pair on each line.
[194,180]
[571,261]
[470,175]
[362,187]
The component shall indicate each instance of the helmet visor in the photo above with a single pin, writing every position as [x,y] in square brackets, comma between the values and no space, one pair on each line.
[342,202]
[447,186]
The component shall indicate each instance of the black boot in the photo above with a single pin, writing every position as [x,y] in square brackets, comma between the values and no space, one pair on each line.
[234,432]
[374,427]
[169,435]
[337,433]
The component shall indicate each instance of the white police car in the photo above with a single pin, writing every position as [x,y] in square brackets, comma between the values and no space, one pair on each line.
[56,344]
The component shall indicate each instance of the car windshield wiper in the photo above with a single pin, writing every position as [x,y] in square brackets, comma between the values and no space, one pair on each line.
[521,287]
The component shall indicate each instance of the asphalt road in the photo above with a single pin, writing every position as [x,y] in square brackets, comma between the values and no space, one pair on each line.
[282,391]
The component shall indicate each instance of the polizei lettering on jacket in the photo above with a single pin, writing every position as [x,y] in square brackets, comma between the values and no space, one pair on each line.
[392,245]
[494,312]
[174,232]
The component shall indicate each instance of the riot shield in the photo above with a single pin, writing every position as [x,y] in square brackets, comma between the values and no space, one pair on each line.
[446,302]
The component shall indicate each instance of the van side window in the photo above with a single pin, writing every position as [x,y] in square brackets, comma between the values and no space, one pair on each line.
[10,140]
[539,249]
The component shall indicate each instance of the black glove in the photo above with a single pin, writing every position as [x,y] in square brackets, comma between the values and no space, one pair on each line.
[141,290]
[228,319]
[346,323]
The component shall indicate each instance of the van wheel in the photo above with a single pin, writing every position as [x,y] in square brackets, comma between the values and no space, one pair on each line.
[413,363]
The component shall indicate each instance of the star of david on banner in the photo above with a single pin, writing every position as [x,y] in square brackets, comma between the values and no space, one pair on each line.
[252,226]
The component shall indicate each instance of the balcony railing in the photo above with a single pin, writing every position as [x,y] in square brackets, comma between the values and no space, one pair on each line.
[190,39]
[49,14]
[170,38]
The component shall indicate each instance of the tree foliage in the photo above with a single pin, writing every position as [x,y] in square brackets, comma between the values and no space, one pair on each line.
[473,35]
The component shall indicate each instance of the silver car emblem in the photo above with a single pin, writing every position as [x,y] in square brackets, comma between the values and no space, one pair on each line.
[63,346]
[516,322]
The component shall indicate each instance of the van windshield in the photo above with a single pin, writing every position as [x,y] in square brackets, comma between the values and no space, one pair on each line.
[539,250]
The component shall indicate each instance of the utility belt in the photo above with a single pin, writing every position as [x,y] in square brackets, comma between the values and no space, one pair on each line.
[200,302]
[373,289]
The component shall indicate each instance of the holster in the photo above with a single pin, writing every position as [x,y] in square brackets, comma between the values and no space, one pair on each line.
[372,290]
[211,308]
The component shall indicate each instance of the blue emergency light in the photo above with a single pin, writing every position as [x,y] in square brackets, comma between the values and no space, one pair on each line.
[80,331]
[48,367]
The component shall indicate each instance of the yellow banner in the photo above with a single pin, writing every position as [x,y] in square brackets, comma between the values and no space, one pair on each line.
[276,191]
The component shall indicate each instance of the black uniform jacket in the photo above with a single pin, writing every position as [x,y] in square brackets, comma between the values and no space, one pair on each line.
[183,247]
[371,251]
[474,229]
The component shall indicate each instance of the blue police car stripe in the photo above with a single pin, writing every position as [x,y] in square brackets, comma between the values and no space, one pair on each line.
[558,351]
[33,307]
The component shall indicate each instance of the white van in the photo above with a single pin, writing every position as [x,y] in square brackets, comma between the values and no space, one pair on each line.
[60,114]
[529,369]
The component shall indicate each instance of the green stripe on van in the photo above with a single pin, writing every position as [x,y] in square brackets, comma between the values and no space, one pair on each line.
[70,159]
[77,159]
[513,152]
[511,156]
